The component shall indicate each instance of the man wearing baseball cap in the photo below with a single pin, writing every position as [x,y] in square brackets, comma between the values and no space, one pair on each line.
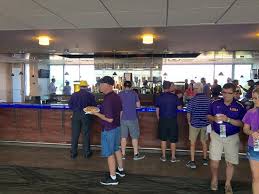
[249,91]
[110,138]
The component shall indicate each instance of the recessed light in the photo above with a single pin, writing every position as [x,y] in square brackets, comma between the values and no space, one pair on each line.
[44,40]
[147,38]
[257,34]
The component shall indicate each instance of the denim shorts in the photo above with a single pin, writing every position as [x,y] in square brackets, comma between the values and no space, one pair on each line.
[110,141]
[251,154]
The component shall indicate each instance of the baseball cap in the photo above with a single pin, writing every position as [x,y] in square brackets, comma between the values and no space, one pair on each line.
[107,80]
[83,83]
[250,80]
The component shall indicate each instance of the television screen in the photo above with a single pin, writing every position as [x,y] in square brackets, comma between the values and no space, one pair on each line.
[43,73]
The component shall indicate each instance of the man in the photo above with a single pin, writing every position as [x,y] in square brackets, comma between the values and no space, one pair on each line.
[215,89]
[52,88]
[197,111]
[129,120]
[67,89]
[206,88]
[249,91]
[166,111]
[78,101]
[186,84]
[238,92]
[110,137]
[226,115]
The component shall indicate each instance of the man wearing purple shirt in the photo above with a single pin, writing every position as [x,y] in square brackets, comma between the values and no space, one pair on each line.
[110,138]
[226,115]
[78,101]
[129,120]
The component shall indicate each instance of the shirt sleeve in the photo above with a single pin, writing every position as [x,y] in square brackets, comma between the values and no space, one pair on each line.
[136,97]
[242,113]
[210,111]
[189,107]
[70,102]
[247,119]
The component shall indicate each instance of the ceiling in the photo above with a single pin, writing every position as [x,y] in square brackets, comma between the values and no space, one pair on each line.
[105,25]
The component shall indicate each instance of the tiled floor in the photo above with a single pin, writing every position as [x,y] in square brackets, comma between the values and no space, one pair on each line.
[147,175]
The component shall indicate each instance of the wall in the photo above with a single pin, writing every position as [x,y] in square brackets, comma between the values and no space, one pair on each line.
[6,82]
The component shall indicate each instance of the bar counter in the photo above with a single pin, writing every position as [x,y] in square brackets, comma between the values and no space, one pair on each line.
[51,123]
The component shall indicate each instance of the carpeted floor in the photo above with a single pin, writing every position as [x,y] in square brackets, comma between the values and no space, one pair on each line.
[31,180]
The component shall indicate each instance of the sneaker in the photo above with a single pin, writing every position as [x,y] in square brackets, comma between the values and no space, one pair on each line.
[214,186]
[73,156]
[205,162]
[191,164]
[121,173]
[109,181]
[163,159]
[174,160]
[123,157]
[228,189]
[138,157]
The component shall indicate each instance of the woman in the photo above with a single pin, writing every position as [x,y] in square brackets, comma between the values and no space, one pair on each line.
[251,128]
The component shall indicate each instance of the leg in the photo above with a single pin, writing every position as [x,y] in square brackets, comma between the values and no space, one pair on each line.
[255,175]
[173,148]
[86,122]
[111,165]
[229,173]
[135,146]
[204,149]
[192,148]
[123,145]
[214,165]
[119,158]
[163,148]
[76,128]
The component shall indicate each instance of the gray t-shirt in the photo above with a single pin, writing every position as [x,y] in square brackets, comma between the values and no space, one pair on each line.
[129,99]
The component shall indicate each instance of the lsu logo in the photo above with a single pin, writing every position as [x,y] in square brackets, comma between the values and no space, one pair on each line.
[234,109]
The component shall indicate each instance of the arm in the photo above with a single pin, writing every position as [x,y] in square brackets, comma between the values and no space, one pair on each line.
[138,104]
[189,118]
[180,107]
[102,116]
[157,113]
[246,90]
[247,130]
[211,118]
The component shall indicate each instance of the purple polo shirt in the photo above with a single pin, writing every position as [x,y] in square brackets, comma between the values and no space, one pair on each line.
[111,108]
[252,118]
[234,111]
[167,103]
[81,99]
[129,98]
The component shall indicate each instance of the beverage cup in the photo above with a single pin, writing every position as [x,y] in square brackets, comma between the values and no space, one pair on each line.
[218,115]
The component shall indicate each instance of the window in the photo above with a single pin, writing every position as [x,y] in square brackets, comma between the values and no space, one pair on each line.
[242,73]
[71,74]
[56,71]
[222,73]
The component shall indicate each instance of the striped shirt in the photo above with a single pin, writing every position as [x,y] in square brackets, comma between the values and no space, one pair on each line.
[198,107]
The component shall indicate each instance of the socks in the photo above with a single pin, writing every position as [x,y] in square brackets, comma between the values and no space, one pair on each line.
[113,177]
[120,169]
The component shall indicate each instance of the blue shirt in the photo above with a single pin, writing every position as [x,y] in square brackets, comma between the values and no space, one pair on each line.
[234,111]
[81,99]
[129,98]
[167,103]
[198,107]
[111,108]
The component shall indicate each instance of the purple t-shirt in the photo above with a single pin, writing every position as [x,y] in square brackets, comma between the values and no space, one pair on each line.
[234,111]
[111,108]
[252,118]
[129,99]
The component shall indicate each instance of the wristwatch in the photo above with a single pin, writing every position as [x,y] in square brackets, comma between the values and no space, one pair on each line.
[228,120]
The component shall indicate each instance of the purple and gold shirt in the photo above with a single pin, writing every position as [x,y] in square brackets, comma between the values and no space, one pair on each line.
[234,111]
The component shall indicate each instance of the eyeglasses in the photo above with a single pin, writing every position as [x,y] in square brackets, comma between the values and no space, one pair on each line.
[227,93]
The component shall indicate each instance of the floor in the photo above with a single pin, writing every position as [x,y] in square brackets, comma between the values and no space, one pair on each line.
[28,169]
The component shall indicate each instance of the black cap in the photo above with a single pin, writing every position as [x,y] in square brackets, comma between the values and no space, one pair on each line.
[108,80]
[166,85]
[250,80]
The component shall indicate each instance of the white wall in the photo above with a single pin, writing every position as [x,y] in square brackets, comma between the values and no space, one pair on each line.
[6,82]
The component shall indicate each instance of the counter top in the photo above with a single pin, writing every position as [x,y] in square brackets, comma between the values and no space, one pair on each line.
[65,107]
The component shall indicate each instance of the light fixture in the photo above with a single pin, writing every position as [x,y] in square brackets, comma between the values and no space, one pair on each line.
[114,74]
[241,76]
[147,38]
[257,34]
[21,73]
[221,74]
[165,74]
[66,73]
[44,40]
[12,74]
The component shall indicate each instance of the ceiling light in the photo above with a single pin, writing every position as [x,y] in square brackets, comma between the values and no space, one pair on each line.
[257,34]
[44,40]
[147,38]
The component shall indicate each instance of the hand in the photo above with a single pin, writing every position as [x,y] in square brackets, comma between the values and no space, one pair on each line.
[221,117]
[255,135]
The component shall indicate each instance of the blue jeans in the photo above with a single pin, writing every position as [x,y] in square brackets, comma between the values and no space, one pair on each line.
[110,141]
[251,154]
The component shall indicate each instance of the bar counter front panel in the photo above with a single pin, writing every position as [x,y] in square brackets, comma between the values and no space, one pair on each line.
[52,124]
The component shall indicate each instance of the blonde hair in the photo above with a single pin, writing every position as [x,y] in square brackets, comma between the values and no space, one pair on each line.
[199,87]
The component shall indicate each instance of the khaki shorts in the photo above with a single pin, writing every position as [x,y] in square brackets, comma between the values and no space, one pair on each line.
[194,132]
[230,146]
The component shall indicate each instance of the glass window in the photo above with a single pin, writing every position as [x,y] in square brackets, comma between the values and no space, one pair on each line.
[242,73]
[56,71]
[71,74]
[87,73]
[222,73]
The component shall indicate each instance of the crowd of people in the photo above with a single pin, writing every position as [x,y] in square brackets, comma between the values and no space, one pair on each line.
[207,113]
